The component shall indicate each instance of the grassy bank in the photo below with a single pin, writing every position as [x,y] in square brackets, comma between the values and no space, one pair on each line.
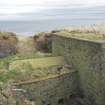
[82,35]
[4,62]
[26,69]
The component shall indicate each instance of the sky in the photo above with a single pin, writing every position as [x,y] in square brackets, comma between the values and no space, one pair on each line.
[11,9]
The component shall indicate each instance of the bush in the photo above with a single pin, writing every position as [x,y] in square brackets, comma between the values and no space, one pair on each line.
[43,42]
[8,43]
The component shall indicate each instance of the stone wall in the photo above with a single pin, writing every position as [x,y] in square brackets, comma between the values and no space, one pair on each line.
[52,91]
[88,58]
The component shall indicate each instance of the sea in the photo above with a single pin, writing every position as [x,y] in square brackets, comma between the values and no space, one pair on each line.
[52,19]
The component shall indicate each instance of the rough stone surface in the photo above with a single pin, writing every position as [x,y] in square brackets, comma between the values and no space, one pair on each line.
[88,58]
[85,85]
[54,91]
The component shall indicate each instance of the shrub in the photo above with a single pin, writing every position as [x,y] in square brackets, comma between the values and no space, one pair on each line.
[43,42]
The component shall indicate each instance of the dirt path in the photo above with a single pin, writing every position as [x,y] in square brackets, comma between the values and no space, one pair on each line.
[26,44]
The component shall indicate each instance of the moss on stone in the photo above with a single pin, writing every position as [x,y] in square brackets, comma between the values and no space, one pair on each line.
[88,59]
[81,35]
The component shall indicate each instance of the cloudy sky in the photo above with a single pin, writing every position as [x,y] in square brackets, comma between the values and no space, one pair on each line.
[11,9]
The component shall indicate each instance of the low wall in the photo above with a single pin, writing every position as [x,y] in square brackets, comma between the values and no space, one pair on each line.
[88,58]
[52,91]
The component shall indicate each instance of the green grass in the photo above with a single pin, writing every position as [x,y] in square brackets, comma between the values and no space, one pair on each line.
[15,76]
[37,63]
[7,76]
[74,34]
[4,62]
[31,68]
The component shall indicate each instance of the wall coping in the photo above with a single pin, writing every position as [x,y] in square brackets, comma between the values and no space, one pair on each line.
[80,39]
[44,78]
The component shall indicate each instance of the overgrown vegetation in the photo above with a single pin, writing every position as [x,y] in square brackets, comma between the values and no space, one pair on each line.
[82,35]
[30,68]
[4,62]
[27,74]
[43,42]
[8,42]
[97,29]
[20,67]
[37,63]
